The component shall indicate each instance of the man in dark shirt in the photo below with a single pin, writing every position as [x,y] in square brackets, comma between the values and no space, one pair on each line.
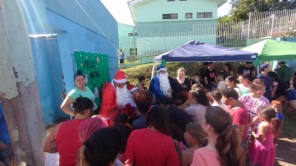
[210,77]
[248,69]
[284,72]
[202,72]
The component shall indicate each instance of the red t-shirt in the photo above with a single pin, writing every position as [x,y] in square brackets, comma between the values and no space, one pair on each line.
[239,117]
[68,142]
[147,147]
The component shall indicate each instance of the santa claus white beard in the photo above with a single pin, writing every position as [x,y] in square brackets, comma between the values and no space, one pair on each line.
[165,86]
[122,97]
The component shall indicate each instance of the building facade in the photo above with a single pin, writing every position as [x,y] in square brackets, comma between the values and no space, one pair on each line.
[127,40]
[165,24]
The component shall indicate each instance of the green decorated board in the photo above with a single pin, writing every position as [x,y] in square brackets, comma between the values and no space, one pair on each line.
[95,67]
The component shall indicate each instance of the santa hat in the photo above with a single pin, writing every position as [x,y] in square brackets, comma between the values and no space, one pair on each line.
[120,77]
[131,88]
[161,68]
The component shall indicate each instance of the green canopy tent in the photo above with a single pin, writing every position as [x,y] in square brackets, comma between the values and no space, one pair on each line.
[273,50]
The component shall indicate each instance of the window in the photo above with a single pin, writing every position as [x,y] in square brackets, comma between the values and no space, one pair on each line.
[133,52]
[188,15]
[208,14]
[204,15]
[183,0]
[170,16]
[170,0]
[131,34]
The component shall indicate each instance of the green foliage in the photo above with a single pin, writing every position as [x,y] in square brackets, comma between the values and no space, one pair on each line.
[145,70]
[290,33]
[241,8]
[225,19]
[135,72]
[192,68]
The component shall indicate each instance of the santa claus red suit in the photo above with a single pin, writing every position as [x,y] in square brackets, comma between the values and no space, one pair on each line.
[115,98]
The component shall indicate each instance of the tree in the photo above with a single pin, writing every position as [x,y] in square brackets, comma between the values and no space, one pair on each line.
[241,8]
[225,19]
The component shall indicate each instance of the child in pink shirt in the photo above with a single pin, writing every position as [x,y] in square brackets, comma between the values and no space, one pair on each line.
[223,146]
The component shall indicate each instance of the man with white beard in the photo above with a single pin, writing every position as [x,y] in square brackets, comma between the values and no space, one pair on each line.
[160,84]
[115,97]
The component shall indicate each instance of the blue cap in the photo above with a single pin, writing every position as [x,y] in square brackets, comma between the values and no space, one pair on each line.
[264,66]
[160,68]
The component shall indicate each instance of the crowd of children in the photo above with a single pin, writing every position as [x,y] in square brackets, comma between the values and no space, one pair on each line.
[214,120]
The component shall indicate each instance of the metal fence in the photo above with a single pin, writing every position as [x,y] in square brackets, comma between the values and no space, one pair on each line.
[260,25]
[273,24]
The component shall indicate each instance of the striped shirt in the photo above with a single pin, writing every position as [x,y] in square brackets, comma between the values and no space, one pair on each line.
[253,104]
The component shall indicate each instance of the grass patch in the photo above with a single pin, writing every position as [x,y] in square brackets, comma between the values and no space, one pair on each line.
[290,123]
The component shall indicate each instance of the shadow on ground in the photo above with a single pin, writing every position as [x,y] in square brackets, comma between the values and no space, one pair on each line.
[286,152]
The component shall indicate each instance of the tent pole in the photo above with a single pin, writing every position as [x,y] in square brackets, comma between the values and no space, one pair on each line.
[258,67]
[153,69]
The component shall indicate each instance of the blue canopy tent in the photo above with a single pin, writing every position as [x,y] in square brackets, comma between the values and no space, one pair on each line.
[195,51]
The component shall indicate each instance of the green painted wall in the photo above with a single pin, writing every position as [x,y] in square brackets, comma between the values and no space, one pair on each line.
[166,27]
[126,42]
[151,11]
[157,35]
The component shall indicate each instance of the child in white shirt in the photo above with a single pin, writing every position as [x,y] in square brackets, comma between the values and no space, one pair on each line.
[221,83]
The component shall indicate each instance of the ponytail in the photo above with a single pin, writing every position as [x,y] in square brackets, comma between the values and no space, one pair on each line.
[228,147]
[228,142]
[276,126]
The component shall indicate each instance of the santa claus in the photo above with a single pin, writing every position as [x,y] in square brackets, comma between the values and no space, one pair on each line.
[160,84]
[115,98]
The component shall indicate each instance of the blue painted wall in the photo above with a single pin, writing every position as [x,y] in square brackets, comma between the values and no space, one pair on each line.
[49,76]
[85,26]
[79,25]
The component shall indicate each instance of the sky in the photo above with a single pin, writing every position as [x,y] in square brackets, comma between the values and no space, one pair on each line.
[120,11]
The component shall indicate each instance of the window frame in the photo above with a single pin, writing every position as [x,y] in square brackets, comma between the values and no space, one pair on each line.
[169,16]
[132,34]
[187,17]
[204,14]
